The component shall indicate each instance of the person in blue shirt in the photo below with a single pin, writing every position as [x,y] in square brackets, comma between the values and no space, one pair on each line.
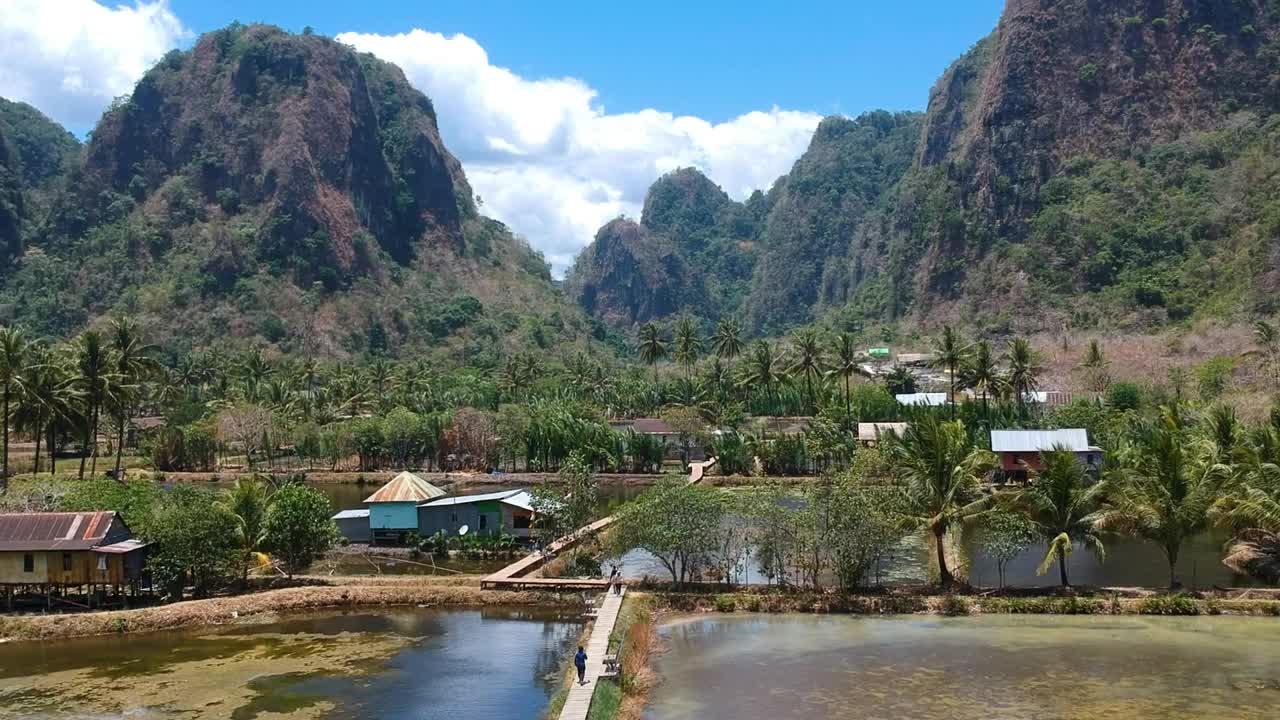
[580,662]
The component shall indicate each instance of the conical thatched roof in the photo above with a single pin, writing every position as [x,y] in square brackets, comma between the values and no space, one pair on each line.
[405,487]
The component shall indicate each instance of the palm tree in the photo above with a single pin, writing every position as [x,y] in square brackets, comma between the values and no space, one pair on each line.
[942,472]
[653,349]
[49,400]
[688,346]
[982,374]
[1252,510]
[949,353]
[1095,366]
[808,362]
[727,341]
[762,372]
[845,367]
[132,365]
[14,354]
[93,361]
[1024,371]
[1268,340]
[1165,488]
[1061,505]
[247,500]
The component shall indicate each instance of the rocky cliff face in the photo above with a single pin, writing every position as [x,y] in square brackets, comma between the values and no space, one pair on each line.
[277,189]
[630,275]
[1091,161]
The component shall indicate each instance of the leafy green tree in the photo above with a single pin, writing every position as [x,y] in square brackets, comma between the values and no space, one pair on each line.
[14,355]
[653,349]
[942,473]
[1124,396]
[298,527]
[1062,503]
[950,353]
[900,381]
[727,341]
[1005,535]
[678,524]
[572,504]
[1164,488]
[195,543]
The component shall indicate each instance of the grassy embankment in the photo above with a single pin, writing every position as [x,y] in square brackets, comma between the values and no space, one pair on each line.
[340,592]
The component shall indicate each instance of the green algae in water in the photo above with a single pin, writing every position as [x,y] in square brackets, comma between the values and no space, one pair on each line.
[282,693]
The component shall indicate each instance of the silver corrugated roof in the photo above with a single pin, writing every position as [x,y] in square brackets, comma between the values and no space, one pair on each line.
[519,498]
[1075,440]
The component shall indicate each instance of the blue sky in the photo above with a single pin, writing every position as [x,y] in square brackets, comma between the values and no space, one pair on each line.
[562,113]
[710,59]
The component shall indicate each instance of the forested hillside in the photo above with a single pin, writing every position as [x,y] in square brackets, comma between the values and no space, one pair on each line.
[1094,163]
[268,189]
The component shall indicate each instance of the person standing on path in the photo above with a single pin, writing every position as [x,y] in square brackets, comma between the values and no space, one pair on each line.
[580,662]
[615,580]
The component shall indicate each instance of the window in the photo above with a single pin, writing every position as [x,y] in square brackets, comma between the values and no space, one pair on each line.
[484,520]
[102,563]
[453,517]
[66,562]
[28,563]
[520,522]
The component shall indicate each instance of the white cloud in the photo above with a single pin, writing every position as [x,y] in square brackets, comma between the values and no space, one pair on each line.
[552,163]
[69,58]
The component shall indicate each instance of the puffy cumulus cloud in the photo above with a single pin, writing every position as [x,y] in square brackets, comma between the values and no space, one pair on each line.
[550,161]
[69,58]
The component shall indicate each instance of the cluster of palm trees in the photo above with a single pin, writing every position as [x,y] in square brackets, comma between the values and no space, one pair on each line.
[52,392]
[976,367]
[1171,477]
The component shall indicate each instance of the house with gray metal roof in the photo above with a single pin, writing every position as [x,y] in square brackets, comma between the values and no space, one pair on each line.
[507,512]
[1020,450]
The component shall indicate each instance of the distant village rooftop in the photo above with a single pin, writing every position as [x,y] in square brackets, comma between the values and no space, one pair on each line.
[1021,441]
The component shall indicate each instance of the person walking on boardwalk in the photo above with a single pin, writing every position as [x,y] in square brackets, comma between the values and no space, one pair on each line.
[615,580]
[580,662]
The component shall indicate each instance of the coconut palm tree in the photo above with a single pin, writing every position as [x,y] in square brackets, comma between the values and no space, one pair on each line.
[808,363]
[687,345]
[1165,487]
[653,349]
[942,473]
[133,365]
[762,373]
[1062,504]
[1024,371]
[248,500]
[727,342]
[49,400]
[1095,366]
[15,352]
[950,353]
[983,375]
[845,367]
[96,383]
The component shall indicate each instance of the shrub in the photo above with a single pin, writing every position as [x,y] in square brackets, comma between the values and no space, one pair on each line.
[726,603]
[1124,396]
[1088,76]
[953,605]
[1169,605]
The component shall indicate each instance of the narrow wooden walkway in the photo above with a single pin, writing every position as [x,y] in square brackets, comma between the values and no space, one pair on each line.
[578,704]
[513,576]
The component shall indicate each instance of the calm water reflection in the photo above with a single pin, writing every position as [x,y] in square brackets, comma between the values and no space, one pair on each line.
[744,667]
[492,663]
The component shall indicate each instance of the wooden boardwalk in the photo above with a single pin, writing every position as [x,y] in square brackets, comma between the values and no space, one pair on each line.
[578,704]
[515,575]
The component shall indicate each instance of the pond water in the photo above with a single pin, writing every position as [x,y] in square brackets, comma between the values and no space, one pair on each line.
[743,667]
[1128,562]
[489,663]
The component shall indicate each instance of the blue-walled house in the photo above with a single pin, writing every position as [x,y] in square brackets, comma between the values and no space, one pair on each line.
[393,509]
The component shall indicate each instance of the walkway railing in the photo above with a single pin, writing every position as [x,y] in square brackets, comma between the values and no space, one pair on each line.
[515,575]
[578,704]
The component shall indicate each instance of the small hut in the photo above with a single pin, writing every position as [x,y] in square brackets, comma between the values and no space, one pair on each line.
[393,509]
[90,551]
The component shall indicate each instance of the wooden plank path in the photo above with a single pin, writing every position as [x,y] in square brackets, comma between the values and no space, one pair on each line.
[578,704]
[513,576]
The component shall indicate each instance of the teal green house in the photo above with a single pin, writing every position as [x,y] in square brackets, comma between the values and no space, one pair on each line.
[393,509]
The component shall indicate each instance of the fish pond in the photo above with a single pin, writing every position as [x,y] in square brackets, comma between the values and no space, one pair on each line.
[773,667]
[489,663]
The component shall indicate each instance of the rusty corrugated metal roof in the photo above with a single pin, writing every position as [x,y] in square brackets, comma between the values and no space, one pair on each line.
[53,531]
[405,487]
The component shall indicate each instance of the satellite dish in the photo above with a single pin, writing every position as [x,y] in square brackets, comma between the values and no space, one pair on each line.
[463,530]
